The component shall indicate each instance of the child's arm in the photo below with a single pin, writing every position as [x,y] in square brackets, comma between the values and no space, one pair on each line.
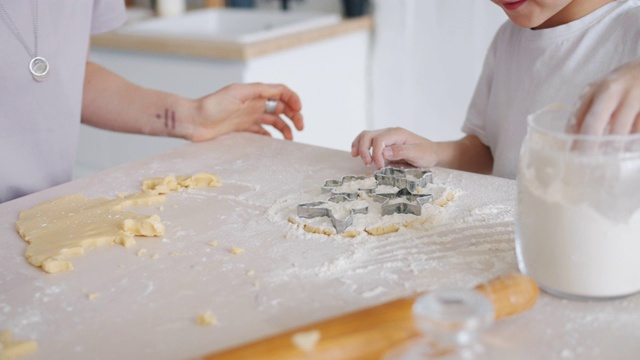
[400,145]
[611,105]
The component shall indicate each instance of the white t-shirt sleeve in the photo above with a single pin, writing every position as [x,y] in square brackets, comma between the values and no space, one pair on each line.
[107,15]
[475,122]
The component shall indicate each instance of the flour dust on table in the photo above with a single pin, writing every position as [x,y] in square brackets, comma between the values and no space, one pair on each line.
[461,214]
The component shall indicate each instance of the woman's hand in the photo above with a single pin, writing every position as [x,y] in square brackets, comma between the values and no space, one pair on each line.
[612,105]
[394,145]
[241,107]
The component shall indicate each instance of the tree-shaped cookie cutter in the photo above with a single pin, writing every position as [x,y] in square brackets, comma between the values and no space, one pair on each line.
[330,186]
[413,206]
[410,179]
[319,209]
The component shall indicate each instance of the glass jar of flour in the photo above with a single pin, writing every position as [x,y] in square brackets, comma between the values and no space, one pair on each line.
[578,212]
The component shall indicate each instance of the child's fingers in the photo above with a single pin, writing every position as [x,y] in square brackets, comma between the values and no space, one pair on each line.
[598,115]
[408,153]
[354,147]
[363,146]
[584,103]
[394,153]
[612,104]
[622,121]
[377,146]
[636,127]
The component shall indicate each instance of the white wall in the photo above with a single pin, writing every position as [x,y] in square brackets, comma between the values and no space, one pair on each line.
[427,56]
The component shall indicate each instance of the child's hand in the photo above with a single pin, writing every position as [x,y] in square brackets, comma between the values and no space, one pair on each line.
[612,105]
[394,145]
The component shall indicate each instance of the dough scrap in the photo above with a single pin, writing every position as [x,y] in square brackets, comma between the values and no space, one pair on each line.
[382,230]
[306,340]
[318,230]
[62,228]
[12,349]
[443,201]
[206,319]
[173,183]
[236,250]
[350,233]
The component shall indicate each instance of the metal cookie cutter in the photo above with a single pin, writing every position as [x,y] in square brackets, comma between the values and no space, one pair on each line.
[316,209]
[414,206]
[331,185]
[410,179]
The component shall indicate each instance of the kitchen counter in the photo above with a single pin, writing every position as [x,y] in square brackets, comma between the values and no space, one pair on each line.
[225,50]
[286,278]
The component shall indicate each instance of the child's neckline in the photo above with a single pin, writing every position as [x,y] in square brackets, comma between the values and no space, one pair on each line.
[570,28]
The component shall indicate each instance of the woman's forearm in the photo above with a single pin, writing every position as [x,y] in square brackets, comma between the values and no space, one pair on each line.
[113,103]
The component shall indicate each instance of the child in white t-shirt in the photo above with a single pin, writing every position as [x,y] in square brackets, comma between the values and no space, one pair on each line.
[549,52]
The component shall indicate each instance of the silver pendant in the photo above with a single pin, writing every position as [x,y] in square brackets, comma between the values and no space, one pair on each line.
[39,68]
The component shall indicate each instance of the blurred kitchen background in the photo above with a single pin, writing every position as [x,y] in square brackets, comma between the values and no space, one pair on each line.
[408,63]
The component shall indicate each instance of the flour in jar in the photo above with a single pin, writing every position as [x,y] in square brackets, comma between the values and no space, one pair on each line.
[571,248]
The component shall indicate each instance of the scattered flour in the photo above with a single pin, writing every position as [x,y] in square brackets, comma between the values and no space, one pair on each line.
[462,237]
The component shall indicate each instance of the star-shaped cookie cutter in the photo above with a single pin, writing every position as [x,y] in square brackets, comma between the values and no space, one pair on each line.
[414,206]
[410,179]
[316,209]
[331,185]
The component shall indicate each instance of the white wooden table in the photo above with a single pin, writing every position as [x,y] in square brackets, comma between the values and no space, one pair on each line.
[147,308]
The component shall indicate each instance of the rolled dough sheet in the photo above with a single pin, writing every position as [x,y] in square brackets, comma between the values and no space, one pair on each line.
[11,349]
[59,229]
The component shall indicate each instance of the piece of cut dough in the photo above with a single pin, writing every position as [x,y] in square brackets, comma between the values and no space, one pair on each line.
[443,201]
[6,337]
[12,350]
[382,230]
[236,250]
[306,340]
[206,319]
[60,229]
[318,230]
[350,233]
[173,183]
